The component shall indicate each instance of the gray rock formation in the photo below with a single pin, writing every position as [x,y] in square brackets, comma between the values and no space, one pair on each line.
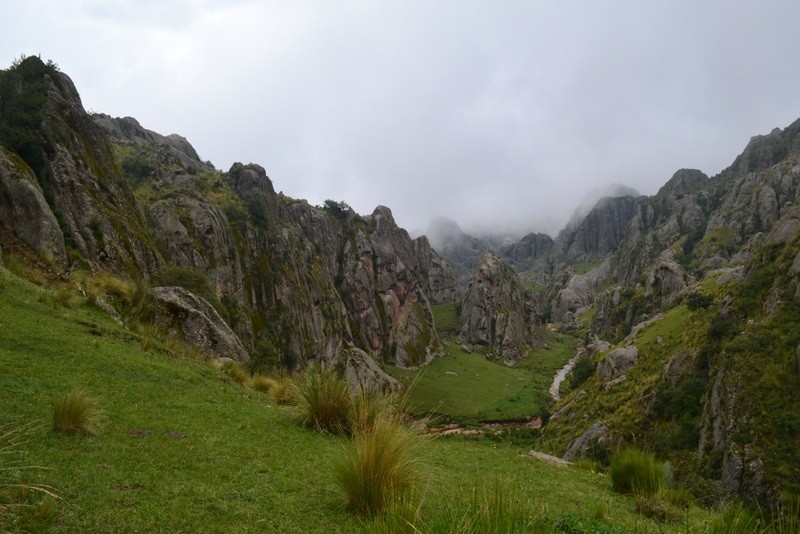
[363,374]
[575,294]
[531,247]
[442,285]
[79,176]
[617,362]
[193,320]
[498,313]
[565,410]
[666,279]
[601,230]
[581,447]
[129,130]
[24,210]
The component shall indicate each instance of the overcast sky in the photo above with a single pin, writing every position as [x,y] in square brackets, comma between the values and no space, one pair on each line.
[501,115]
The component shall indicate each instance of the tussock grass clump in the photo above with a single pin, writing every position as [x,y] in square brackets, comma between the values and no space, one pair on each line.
[736,519]
[284,391]
[76,412]
[237,373]
[105,285]
[381,464]
[261,383]
[403,515]
[498,511]
[323,400]
[635,471]
[368,406]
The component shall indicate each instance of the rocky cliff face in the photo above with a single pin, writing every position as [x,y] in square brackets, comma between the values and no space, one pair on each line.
[75,168]
[293,282]
[601,231]
[498,313]
[531,247]
[726,248]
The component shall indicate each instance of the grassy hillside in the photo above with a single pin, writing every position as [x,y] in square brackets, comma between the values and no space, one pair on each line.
[182,448]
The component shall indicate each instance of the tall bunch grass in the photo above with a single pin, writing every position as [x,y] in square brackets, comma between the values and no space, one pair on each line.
[366,407]
[21,500]
[498,510]
[284,391]
[76,412]
[635,471]
[323,400]
[381,464]
[105,285]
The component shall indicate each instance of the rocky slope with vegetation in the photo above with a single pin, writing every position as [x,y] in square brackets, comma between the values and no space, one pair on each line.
[687,301]
[704,288]
[292,282]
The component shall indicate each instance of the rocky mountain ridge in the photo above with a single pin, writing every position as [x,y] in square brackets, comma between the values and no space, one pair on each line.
[294,282]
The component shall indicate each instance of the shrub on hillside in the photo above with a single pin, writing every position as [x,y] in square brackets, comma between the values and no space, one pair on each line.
[76,412]
[380,465]
[580,373]
[635,471]
[697,300]
[107,286]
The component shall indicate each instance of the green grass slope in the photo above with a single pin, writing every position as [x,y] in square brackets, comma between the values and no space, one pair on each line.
[183,449]
[467,388]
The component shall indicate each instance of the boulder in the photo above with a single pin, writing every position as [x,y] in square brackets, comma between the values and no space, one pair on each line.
[568,407]
[617,362]
[193,320]
[580,446]
[363,374]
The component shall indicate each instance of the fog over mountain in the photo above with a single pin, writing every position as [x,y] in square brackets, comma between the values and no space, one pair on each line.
[501,117]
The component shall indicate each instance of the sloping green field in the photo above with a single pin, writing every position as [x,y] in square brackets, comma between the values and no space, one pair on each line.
[183,449]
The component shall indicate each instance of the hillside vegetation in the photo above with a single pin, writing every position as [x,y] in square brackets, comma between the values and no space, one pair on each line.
[184,448]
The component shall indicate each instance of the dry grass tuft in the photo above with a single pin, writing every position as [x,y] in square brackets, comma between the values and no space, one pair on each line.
[262,383]
[380,465]
[76,412]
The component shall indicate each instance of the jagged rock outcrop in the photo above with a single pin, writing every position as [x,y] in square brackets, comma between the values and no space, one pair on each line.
[72,160]
[293,281]
[678,210]
[575,293]
[602,230]
[24,210]
[386,300]
[442,286]
[165,148]
[666,279]
[531,247]
[462,251]
[196,322]
[498,313]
